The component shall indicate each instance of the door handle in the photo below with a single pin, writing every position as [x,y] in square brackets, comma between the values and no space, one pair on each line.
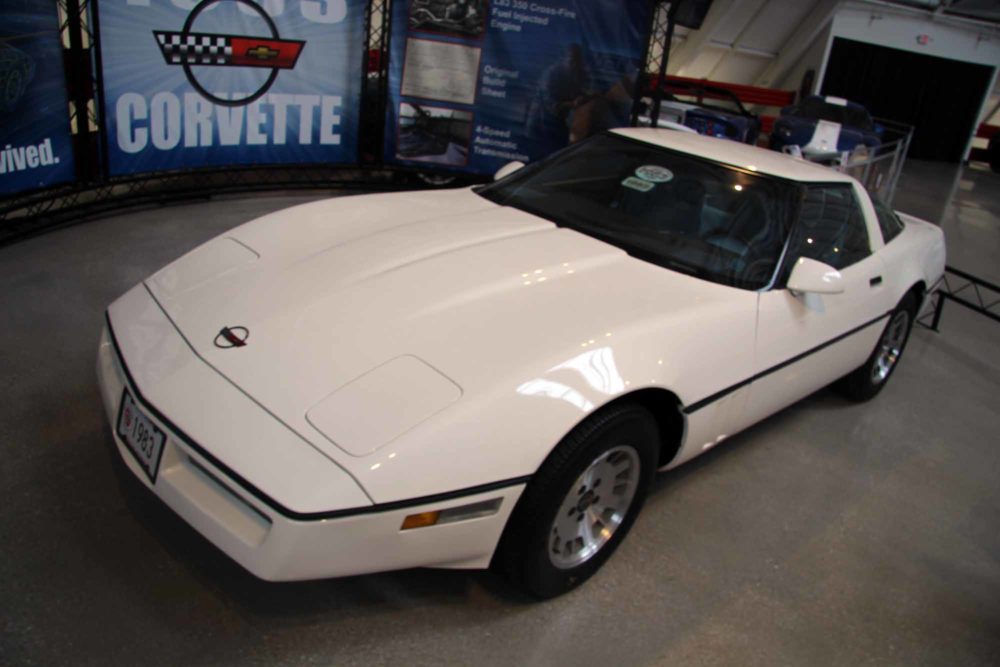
[877,280]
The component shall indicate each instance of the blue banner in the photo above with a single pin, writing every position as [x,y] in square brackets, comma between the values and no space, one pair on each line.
[191,83]
[474,84]
[35,146]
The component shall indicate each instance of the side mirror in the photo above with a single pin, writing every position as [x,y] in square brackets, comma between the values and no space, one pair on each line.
[812,277]
[507,170]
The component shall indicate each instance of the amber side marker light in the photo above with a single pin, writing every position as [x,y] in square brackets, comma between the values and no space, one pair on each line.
[421,520]
[452,514]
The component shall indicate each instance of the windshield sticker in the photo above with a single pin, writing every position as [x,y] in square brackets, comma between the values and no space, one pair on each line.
[638,184]
[654,174]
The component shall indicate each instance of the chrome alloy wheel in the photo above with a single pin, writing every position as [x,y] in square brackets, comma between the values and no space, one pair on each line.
[890,347]
[595,507]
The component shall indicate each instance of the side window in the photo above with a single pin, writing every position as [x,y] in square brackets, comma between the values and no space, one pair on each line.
[831,228]
[890,224]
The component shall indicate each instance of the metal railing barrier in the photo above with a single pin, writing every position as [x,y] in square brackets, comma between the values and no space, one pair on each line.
[974,293]
[877,168]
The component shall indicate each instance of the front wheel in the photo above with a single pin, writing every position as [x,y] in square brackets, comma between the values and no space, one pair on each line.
[867,380]
[581,502]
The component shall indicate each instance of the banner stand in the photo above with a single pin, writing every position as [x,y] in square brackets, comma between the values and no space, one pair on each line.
[95,191]
[80,84]
[96,91]
[374,84]
[668,39]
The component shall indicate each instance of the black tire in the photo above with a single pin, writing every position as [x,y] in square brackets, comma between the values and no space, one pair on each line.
[865,382]
[524,551]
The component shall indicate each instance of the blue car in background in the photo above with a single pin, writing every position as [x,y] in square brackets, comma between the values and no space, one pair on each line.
[823,126]
[708,110]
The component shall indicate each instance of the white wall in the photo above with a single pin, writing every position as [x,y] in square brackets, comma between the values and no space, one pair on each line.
[899,29]
[920,32]
[992,104]
[814,58]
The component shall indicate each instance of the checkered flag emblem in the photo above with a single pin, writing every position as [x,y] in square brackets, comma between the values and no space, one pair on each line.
[181,49]
[193,48]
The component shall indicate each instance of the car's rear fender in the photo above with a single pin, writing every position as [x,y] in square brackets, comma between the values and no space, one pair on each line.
[916,256]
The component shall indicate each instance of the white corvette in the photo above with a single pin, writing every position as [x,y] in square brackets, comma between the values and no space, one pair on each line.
[493,375]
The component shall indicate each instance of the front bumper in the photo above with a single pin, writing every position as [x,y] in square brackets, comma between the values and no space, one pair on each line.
[258,531]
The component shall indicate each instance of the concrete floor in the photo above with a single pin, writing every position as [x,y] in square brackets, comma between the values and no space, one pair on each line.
[831,534]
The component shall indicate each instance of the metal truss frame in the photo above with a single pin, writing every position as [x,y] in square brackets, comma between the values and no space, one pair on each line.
[976,294]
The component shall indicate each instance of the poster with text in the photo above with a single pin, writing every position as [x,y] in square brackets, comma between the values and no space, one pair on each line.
[474,84]
[35,146]
[205,83]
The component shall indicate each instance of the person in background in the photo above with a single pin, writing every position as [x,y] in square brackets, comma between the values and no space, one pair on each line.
[562,87]
[604,111]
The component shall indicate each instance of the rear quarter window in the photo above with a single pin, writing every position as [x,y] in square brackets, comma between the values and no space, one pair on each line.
[888,221]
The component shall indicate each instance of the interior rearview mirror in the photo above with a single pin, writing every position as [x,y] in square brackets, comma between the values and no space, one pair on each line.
[507,170]
[812,277]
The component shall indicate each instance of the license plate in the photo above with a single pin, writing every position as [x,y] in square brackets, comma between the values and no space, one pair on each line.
[140,435]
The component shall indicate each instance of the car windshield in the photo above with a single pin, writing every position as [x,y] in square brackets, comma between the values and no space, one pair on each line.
[680,211]
[709,101]
[835,113]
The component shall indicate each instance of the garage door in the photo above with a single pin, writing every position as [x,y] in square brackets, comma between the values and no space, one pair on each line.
[941,98]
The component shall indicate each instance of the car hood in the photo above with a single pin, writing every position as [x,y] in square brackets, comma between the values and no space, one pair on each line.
[442,292]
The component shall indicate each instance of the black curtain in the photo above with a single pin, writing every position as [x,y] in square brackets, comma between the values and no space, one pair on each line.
[938,96]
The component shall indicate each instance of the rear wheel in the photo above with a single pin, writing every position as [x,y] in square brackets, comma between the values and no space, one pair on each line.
[581,503]
[867,380]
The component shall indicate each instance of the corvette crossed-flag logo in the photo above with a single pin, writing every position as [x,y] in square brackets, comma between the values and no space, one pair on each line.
[187,48]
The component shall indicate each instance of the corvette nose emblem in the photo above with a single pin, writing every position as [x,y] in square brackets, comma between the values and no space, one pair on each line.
[232,337]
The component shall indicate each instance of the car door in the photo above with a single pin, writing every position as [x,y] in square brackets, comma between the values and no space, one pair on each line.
[806,341]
